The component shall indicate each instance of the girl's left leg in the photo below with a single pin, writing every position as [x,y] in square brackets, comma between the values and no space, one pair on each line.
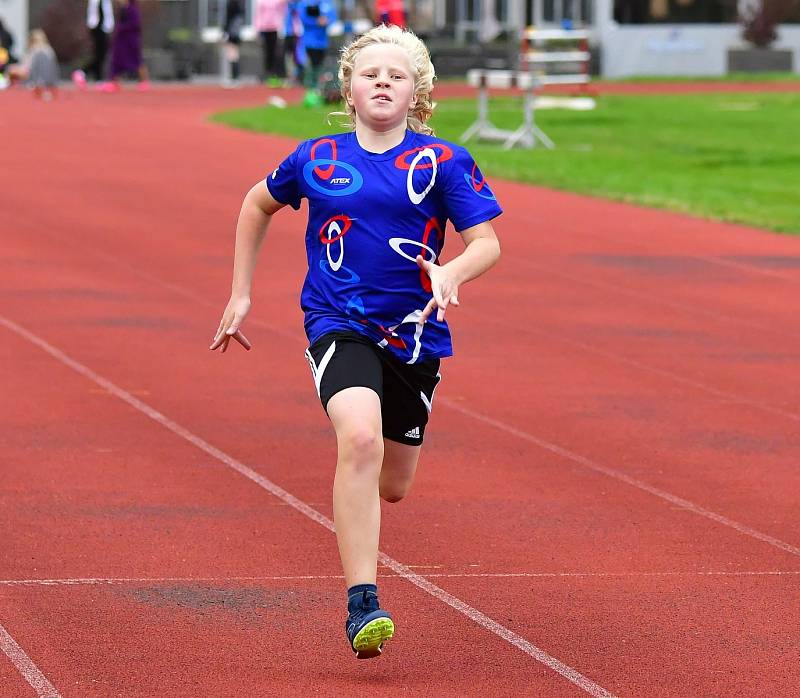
[398,470]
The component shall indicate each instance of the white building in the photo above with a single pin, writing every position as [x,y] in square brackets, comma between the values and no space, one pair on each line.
[634,37]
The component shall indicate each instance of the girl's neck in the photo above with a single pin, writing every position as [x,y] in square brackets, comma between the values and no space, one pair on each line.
[379,141]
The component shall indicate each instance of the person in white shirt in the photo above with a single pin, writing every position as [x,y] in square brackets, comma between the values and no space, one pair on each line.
[100,21]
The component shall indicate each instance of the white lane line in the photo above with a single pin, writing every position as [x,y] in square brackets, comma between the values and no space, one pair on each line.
[23,664]
[474,614]
[623,477]
[99,581]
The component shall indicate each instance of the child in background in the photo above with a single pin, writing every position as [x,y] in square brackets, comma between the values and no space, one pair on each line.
[317,18]
[374,308]
[39,68]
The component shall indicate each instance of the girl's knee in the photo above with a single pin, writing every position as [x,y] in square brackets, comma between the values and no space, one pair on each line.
[361,446]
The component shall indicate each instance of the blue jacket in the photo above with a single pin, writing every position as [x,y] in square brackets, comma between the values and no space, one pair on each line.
[314,35]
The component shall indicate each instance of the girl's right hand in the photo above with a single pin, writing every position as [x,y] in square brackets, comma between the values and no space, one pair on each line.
[232,318]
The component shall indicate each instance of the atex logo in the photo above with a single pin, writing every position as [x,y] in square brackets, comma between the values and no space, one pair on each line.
[340,180]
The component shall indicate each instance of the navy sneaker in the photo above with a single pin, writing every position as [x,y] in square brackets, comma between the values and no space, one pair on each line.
[367,626]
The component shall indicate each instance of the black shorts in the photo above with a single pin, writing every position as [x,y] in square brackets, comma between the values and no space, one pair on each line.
[342,360]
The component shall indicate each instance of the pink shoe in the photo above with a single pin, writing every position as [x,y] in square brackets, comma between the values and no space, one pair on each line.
[79,78]
[143,86]
[108,87]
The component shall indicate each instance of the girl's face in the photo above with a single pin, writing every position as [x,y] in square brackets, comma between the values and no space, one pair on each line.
[382,86]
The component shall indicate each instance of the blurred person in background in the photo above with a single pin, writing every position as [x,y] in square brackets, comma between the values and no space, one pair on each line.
[270,17]
[234,21]
[39,68]
[317,17]
[126,48]
[421,18]
[294,55]
[391,12]
[6,57]
[100,21]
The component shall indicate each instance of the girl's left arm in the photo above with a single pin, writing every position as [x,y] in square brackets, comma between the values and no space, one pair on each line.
[481,254]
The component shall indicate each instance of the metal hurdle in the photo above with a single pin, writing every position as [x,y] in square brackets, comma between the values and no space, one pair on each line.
[535,59]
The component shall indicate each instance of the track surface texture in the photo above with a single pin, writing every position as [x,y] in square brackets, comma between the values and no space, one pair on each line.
[606,504]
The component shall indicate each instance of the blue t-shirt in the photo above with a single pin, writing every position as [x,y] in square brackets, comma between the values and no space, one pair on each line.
[370,215]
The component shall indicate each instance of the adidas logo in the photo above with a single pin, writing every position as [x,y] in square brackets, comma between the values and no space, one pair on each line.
[413,433]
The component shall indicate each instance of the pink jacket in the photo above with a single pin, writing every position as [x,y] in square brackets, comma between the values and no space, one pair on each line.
[270,15]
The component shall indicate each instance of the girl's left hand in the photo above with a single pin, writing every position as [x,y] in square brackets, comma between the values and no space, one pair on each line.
[444,287]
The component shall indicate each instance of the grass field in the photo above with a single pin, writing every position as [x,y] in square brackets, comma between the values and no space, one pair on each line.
[731,157]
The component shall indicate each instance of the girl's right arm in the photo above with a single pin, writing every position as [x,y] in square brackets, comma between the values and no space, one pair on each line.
[256,213]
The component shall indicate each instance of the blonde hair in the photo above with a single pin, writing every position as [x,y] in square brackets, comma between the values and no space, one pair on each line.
[37,38]
[419,59]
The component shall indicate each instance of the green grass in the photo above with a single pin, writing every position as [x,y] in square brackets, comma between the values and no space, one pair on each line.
[732,157]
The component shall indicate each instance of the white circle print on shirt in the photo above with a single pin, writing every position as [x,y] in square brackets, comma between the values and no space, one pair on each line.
[418,197]
[333,226]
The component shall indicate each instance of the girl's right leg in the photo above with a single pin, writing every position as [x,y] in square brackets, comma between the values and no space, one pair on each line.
[356,417]
[398,470]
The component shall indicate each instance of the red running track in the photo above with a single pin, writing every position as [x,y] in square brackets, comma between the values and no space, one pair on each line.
[608,495]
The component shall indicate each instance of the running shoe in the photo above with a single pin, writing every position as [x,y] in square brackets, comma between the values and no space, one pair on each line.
[367,626]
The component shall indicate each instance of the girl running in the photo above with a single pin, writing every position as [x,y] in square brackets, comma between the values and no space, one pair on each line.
[375,295]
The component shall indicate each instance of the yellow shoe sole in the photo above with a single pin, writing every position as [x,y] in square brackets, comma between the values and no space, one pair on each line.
[368,642]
